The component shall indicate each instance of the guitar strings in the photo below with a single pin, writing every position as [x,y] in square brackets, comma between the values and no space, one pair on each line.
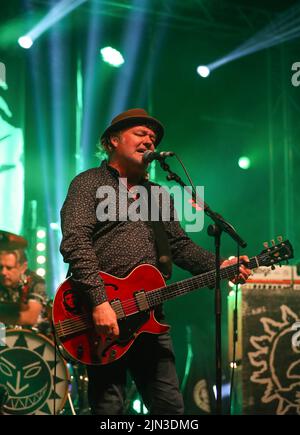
[154,297]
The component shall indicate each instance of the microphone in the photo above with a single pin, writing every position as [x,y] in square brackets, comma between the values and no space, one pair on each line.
[149,156]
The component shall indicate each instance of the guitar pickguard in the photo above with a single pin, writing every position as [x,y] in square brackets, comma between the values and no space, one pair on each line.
[130,326]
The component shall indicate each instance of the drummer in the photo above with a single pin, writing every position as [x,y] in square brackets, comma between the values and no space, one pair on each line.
[22,291]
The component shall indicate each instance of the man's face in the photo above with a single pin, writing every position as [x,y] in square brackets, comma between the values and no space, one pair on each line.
[132,143]
[69,299]
[10,270]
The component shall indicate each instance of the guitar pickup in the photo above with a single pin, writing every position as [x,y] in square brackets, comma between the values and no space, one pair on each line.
[118,309]
[141,300]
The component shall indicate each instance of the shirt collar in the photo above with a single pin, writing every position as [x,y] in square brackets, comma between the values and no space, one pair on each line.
[114,171]
[110,169]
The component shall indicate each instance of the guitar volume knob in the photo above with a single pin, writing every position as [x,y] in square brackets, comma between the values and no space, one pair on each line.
[112,354]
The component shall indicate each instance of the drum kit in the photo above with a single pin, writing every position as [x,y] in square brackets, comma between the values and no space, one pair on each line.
[35,376]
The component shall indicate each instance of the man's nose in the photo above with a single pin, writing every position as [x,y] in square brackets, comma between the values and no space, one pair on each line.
[148,142]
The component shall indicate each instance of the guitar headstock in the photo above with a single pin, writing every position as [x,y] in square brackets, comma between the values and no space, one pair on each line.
[275,253]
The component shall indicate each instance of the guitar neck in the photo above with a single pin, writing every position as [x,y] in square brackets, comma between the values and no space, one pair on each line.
[207,279]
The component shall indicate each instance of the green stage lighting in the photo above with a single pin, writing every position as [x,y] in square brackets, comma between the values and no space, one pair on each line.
[112,57]
[41,251]
[244,162]
[139,407]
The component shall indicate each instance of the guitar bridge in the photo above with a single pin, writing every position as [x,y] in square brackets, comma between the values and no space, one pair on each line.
[141,300]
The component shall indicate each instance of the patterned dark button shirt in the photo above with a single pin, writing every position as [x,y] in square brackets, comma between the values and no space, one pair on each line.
[32,287]
[116,247]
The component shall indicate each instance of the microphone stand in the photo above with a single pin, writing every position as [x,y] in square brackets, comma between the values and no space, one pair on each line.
[215,230]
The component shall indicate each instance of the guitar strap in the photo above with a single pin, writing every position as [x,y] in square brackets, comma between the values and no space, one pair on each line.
[160,236]
[69,272]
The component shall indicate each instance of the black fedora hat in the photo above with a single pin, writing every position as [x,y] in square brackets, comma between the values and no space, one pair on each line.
[134,117]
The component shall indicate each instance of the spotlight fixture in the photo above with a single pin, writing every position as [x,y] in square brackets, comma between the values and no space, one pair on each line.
[244,162]
[112,56]
[25,41]
[203,71]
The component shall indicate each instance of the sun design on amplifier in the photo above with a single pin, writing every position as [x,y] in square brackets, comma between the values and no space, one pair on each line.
[278,345]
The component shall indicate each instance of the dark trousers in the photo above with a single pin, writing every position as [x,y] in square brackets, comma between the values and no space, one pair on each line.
[151,363]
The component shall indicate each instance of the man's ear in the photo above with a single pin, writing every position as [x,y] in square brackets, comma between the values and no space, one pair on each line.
[114,141]
[24,267]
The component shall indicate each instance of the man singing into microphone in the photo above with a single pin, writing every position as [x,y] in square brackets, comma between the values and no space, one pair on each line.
[117,246]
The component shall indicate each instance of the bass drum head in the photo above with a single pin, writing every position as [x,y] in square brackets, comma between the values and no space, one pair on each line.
[27,370]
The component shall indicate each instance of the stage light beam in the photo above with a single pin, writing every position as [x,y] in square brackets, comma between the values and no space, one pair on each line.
[285,27]
[59,11]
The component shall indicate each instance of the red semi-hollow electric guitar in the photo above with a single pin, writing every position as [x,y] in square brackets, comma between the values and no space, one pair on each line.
[133,299]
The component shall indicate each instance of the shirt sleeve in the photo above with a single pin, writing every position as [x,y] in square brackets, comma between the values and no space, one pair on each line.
[78,220]
[38,293]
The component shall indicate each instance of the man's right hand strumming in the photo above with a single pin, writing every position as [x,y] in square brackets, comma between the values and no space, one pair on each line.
[105,320]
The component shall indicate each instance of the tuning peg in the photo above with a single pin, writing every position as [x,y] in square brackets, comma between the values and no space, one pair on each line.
[266,245]
[273,242]
[279,238]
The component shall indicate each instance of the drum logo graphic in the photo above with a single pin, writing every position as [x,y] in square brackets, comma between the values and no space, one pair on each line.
[27,362]
[277,361]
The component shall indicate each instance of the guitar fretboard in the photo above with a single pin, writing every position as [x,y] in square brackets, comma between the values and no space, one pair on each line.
[207,279]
